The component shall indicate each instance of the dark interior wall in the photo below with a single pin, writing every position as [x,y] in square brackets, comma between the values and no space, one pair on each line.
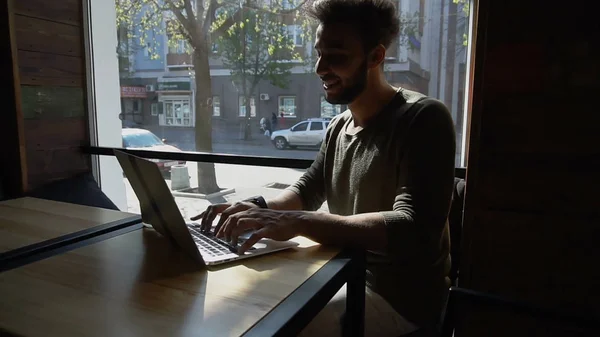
[531,225]
[12,151]
[50,82]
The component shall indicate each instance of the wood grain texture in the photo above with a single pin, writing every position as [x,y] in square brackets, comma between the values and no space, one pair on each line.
[53,149]
[50,70]
[27,221]
[53,102]
[64,11]
[139,284]
[45,36]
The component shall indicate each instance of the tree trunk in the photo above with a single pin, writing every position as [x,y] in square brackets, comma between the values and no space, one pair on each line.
[248,118]
[207,180]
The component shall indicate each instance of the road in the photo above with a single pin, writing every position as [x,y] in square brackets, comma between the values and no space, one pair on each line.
[264,150]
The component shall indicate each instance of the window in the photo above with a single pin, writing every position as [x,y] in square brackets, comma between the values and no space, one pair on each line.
[177,113]
[316,126]
[289,4]
[216,106]
[329,110]
[295,93]
[178,47]
[147,50]
[300,127]
[242,103]
[295,34]
[287,106]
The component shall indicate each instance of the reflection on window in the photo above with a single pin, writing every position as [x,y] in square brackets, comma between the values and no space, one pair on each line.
[243,107]
[300,127]
[177,113]
[316,126]
[154,109]
[329,110]
[287,106]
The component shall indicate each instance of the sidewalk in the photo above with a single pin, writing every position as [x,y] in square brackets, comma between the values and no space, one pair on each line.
[247,181]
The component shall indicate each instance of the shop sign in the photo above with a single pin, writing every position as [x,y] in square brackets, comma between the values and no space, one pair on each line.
[174,86]
[135,92]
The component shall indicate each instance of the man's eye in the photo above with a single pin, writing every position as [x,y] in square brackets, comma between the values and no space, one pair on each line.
[336,58]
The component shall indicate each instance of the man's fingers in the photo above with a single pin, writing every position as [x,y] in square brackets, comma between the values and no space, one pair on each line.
[209,215]
[243,224]
[233,209]
[254,238]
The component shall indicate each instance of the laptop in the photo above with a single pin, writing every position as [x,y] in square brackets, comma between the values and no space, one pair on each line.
[159,209]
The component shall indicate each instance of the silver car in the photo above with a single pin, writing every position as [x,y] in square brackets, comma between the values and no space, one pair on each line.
[306,133]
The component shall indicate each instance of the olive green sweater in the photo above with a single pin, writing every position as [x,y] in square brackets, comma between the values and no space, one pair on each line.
[402,165]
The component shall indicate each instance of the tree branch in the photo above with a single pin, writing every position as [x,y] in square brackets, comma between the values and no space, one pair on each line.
[238,15]
[183,20]
[187,4]
[210,14]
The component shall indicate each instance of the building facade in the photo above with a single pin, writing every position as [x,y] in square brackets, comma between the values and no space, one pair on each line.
[158,89]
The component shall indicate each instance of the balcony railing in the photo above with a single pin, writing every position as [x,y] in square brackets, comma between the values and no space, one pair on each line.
[179,60]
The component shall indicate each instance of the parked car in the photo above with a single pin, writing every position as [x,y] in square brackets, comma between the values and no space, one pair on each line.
[140,139]
[306,133]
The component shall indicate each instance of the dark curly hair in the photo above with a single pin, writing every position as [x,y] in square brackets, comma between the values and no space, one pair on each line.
[376,21]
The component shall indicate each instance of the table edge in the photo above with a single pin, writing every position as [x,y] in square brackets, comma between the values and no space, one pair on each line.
[24,255]
[304,303]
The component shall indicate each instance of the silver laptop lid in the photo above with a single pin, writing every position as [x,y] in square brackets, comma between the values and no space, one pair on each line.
[157,204]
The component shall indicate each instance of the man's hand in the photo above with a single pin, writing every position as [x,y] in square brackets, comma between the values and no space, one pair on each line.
[226,210]
[276,225]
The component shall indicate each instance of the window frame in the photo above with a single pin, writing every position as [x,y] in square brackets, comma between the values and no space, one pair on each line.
[293,32]
[154,109]
[216,106]
[335,107]
[242,104]
[177,100]
[280,106]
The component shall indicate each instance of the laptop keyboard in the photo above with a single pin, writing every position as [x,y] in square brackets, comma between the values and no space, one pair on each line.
[211,245]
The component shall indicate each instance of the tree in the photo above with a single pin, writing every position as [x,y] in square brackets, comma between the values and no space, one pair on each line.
[260,47]
[196,22]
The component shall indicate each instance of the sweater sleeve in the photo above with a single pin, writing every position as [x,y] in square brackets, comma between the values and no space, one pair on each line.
[311,185]
[424,186]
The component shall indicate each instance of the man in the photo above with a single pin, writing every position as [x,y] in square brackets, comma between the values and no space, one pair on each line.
[386,169]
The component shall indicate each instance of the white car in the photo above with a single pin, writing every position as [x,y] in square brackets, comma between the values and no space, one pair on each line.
[306,133]
[140,139]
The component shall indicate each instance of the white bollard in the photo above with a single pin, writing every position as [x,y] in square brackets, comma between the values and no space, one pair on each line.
[180,179]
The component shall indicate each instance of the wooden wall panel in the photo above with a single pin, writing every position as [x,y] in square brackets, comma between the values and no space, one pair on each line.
[43,69]
[532,211]
[51,67]
[45,36]
[53,148]
[63,11]
[44,102]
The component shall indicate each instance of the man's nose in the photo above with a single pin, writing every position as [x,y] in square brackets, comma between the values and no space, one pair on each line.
[321,67]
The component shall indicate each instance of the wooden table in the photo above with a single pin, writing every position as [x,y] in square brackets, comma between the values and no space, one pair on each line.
[29,226]
[138,284]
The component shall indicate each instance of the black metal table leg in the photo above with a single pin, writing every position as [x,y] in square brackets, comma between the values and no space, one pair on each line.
[354,320]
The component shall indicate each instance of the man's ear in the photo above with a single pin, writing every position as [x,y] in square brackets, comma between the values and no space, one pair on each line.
[377,56]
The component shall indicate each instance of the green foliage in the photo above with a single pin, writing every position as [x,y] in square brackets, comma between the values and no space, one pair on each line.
[466,9]
[259,47]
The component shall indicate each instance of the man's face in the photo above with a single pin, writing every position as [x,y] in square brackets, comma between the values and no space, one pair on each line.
[341,64]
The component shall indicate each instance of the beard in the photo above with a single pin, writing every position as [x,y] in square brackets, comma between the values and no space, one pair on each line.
[349,92]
